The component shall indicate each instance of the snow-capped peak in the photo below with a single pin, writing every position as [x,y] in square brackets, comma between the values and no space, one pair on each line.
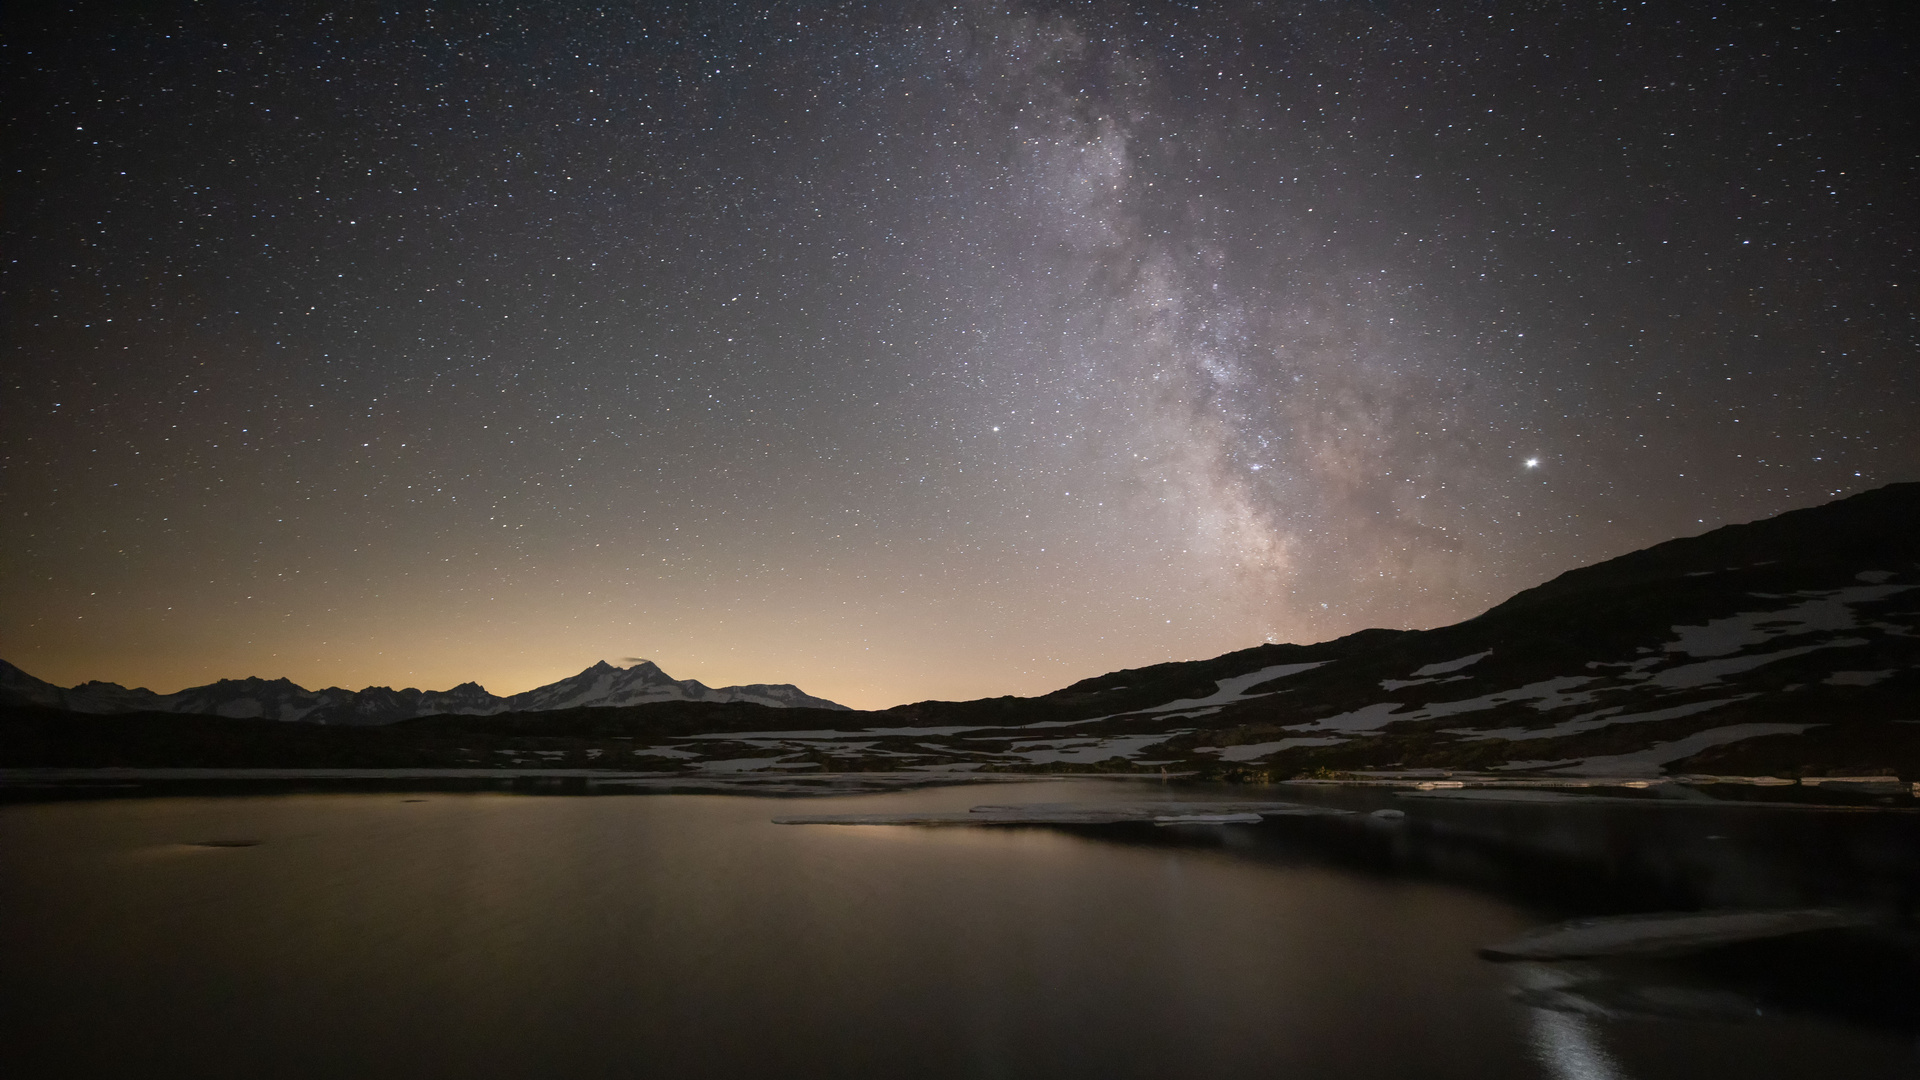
[601,685]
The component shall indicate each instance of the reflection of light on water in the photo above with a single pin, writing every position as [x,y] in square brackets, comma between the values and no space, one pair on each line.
[1565,1042]
[1570,1048]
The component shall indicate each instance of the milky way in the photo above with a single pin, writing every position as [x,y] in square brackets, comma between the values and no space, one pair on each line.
[907,351]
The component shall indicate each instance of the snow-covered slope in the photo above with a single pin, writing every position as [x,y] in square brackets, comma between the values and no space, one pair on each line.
[1788,647]
[604,684]
[280,699]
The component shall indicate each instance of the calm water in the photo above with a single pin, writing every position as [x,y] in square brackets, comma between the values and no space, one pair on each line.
[513,936]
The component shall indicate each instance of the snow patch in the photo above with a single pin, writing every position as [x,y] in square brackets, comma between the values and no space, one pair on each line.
[666,752]
[1087,751]
[826,734]
[1251,751]
[753,764]
[1228,691]
[1827,611]
[1688,676]
[1370,718]
[1647,762]
[1390,685]
[1545,695]
[1857,678]
[1447,667]
[1594,721]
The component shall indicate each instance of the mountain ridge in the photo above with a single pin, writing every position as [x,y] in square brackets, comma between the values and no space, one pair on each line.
[600,685]
[1788,646]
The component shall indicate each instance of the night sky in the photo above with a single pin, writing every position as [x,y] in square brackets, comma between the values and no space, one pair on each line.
[905,351]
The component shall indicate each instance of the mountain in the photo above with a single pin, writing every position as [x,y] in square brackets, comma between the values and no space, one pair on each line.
[1787,647]
[601,685]
[1768,644]
[1784,644]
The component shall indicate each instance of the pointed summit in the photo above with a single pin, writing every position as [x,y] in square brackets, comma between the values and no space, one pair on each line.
[602,684]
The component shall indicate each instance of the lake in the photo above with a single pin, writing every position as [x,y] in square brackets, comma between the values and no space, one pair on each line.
[503,935]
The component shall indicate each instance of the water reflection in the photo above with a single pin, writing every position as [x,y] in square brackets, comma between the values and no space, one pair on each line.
[501,936]
[1570,1048]
[1607,860]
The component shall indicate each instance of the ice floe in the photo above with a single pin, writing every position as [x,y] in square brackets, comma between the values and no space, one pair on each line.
[1159,813]
[1668,933]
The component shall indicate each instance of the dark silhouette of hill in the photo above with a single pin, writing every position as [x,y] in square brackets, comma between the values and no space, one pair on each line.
[1787,646]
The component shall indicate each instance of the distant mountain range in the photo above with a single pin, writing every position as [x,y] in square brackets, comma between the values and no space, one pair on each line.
[1787,647]
[600,686]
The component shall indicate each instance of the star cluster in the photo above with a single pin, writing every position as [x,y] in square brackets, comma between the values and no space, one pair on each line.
[904,351]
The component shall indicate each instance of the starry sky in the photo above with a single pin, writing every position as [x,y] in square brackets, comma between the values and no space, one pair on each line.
[907,350]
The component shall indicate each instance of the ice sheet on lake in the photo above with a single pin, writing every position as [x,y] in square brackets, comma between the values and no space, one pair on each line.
[1504,795]
[1168,812]
[1647,762]
[1667,933]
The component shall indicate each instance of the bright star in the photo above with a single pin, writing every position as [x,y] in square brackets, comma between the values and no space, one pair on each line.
[1533,463]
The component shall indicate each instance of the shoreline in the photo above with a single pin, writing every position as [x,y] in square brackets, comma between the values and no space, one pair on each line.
[1879,794]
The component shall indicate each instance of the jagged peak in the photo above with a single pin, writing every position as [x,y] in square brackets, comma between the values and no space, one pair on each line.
[640,675]
[253,682]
